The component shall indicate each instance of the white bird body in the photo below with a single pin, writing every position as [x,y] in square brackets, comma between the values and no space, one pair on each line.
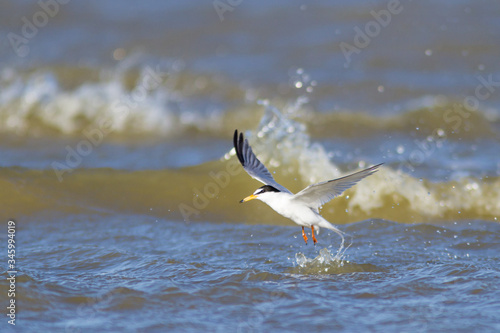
[303,207]
[283,203]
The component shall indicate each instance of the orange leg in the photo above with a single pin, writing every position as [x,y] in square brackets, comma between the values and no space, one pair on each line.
[314,238]
[304,235]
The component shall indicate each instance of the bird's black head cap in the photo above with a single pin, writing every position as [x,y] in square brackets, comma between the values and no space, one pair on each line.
[266,188]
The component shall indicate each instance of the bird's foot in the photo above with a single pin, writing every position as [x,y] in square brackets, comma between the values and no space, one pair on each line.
[304,236]
[312,232]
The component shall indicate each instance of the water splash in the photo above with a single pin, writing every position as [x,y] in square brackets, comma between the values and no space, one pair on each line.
[283,142]
[325,258]
[326,263]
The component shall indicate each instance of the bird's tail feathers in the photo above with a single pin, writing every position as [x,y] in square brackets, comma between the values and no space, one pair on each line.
[325,224]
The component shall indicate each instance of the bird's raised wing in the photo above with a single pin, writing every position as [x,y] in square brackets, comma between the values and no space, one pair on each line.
[316,195]
[251,163]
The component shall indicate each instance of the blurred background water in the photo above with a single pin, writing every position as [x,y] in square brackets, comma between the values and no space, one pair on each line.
[116,120]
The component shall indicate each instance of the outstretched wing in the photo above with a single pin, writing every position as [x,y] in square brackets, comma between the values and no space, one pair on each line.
[251,163]
[316,195]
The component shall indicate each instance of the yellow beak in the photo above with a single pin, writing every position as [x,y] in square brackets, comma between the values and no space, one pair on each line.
[250,197]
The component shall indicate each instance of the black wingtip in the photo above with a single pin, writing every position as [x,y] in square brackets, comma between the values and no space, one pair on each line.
[241,147]
[238,146]
[235,140]
[374,168]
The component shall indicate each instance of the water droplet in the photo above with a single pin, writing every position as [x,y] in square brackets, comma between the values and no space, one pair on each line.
[119,54]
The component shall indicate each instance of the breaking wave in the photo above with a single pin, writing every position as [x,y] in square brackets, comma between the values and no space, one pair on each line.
[163,101]
[211,191]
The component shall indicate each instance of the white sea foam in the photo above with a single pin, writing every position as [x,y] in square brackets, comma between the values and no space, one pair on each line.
[282,142]
[39,101]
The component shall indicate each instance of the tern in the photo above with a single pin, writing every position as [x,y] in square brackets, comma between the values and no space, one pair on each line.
[302,207]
